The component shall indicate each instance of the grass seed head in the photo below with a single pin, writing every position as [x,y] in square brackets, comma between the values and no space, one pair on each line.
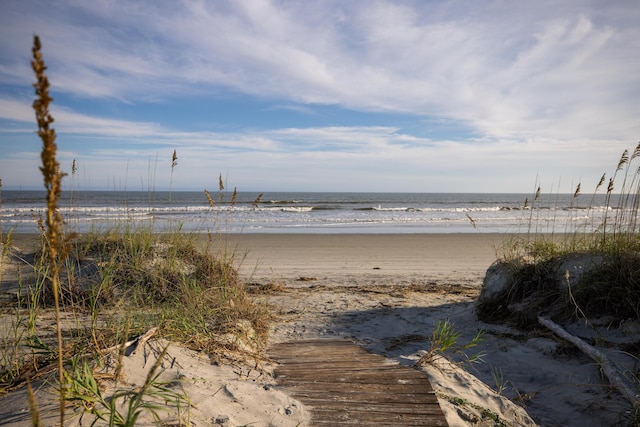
[602,178]
[209,198]
[234,196]
[636,152]
[256,202]
[623,159]
[174,159]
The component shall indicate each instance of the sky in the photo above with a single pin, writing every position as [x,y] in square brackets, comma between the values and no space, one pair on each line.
[327,95]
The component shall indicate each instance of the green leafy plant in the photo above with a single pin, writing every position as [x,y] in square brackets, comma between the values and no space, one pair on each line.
[498,380]
[123,407]
[445,339]
[106,285]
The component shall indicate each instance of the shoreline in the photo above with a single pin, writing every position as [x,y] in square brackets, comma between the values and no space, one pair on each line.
[334,255]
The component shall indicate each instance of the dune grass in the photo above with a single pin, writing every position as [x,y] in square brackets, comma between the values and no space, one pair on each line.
[610,250]
[106,287]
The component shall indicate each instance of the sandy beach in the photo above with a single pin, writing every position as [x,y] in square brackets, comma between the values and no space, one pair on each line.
[387,293]
[371,257]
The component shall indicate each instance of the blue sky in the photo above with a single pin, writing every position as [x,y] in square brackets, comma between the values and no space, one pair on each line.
[424,96]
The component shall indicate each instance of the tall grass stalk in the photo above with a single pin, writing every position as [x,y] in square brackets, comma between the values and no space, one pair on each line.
[53,182]
[174,163]
[1,235]
[143,279]
[608,242]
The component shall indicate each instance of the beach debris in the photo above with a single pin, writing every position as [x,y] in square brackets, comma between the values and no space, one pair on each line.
[601,358]
[135,343]
[223,420]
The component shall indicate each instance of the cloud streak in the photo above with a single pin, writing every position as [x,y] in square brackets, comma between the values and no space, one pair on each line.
[533,79]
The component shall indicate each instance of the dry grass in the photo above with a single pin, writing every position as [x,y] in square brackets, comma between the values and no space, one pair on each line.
[106,287]
[612,288]
[53,183]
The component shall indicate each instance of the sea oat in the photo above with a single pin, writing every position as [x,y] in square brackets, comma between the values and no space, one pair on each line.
[623,159]
[636,152]
[174,163]
[53,182]
[256,202]
[577,192]
[473,221]
[602,178]
[209,198]
[234,196]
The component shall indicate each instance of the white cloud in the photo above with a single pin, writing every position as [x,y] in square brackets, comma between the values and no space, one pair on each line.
[532,79]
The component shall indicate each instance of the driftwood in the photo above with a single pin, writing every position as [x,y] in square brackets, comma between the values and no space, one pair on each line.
[605,363]
[138,342]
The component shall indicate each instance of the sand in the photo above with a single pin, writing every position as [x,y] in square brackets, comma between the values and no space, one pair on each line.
[387,293]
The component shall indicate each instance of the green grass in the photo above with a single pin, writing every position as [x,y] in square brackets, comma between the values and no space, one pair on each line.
[611,287]
[445,340]
[104,288]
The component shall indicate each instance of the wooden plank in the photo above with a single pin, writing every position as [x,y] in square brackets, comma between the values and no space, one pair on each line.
[334,418]
[343,384]
[364,397]
[356,388]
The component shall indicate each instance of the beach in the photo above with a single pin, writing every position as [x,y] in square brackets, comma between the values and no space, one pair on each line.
[387,293]
[363,257]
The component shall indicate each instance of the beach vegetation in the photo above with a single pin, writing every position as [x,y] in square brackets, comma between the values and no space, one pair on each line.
[587,270]
[105,289]
[590,273]
[485,413]
[123,406]
[498,380]
[446,340]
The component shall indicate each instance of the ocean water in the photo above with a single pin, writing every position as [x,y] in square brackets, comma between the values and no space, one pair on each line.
[299,212]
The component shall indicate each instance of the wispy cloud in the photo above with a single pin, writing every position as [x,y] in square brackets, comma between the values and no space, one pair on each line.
[339,158]
[534,79]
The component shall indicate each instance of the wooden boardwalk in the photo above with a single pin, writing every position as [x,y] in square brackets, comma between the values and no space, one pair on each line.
[343,384]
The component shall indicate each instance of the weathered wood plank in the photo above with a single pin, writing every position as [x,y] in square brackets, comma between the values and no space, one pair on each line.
[364,398]
[343,384]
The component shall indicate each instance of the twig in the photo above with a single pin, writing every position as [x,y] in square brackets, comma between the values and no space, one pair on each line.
[138,342]
[607,366]
[144,338]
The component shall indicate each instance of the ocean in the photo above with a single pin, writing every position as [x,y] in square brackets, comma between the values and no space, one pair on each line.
[301,212]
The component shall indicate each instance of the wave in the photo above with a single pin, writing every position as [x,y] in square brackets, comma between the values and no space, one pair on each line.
[390,209]
[282,202]
[287,209]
